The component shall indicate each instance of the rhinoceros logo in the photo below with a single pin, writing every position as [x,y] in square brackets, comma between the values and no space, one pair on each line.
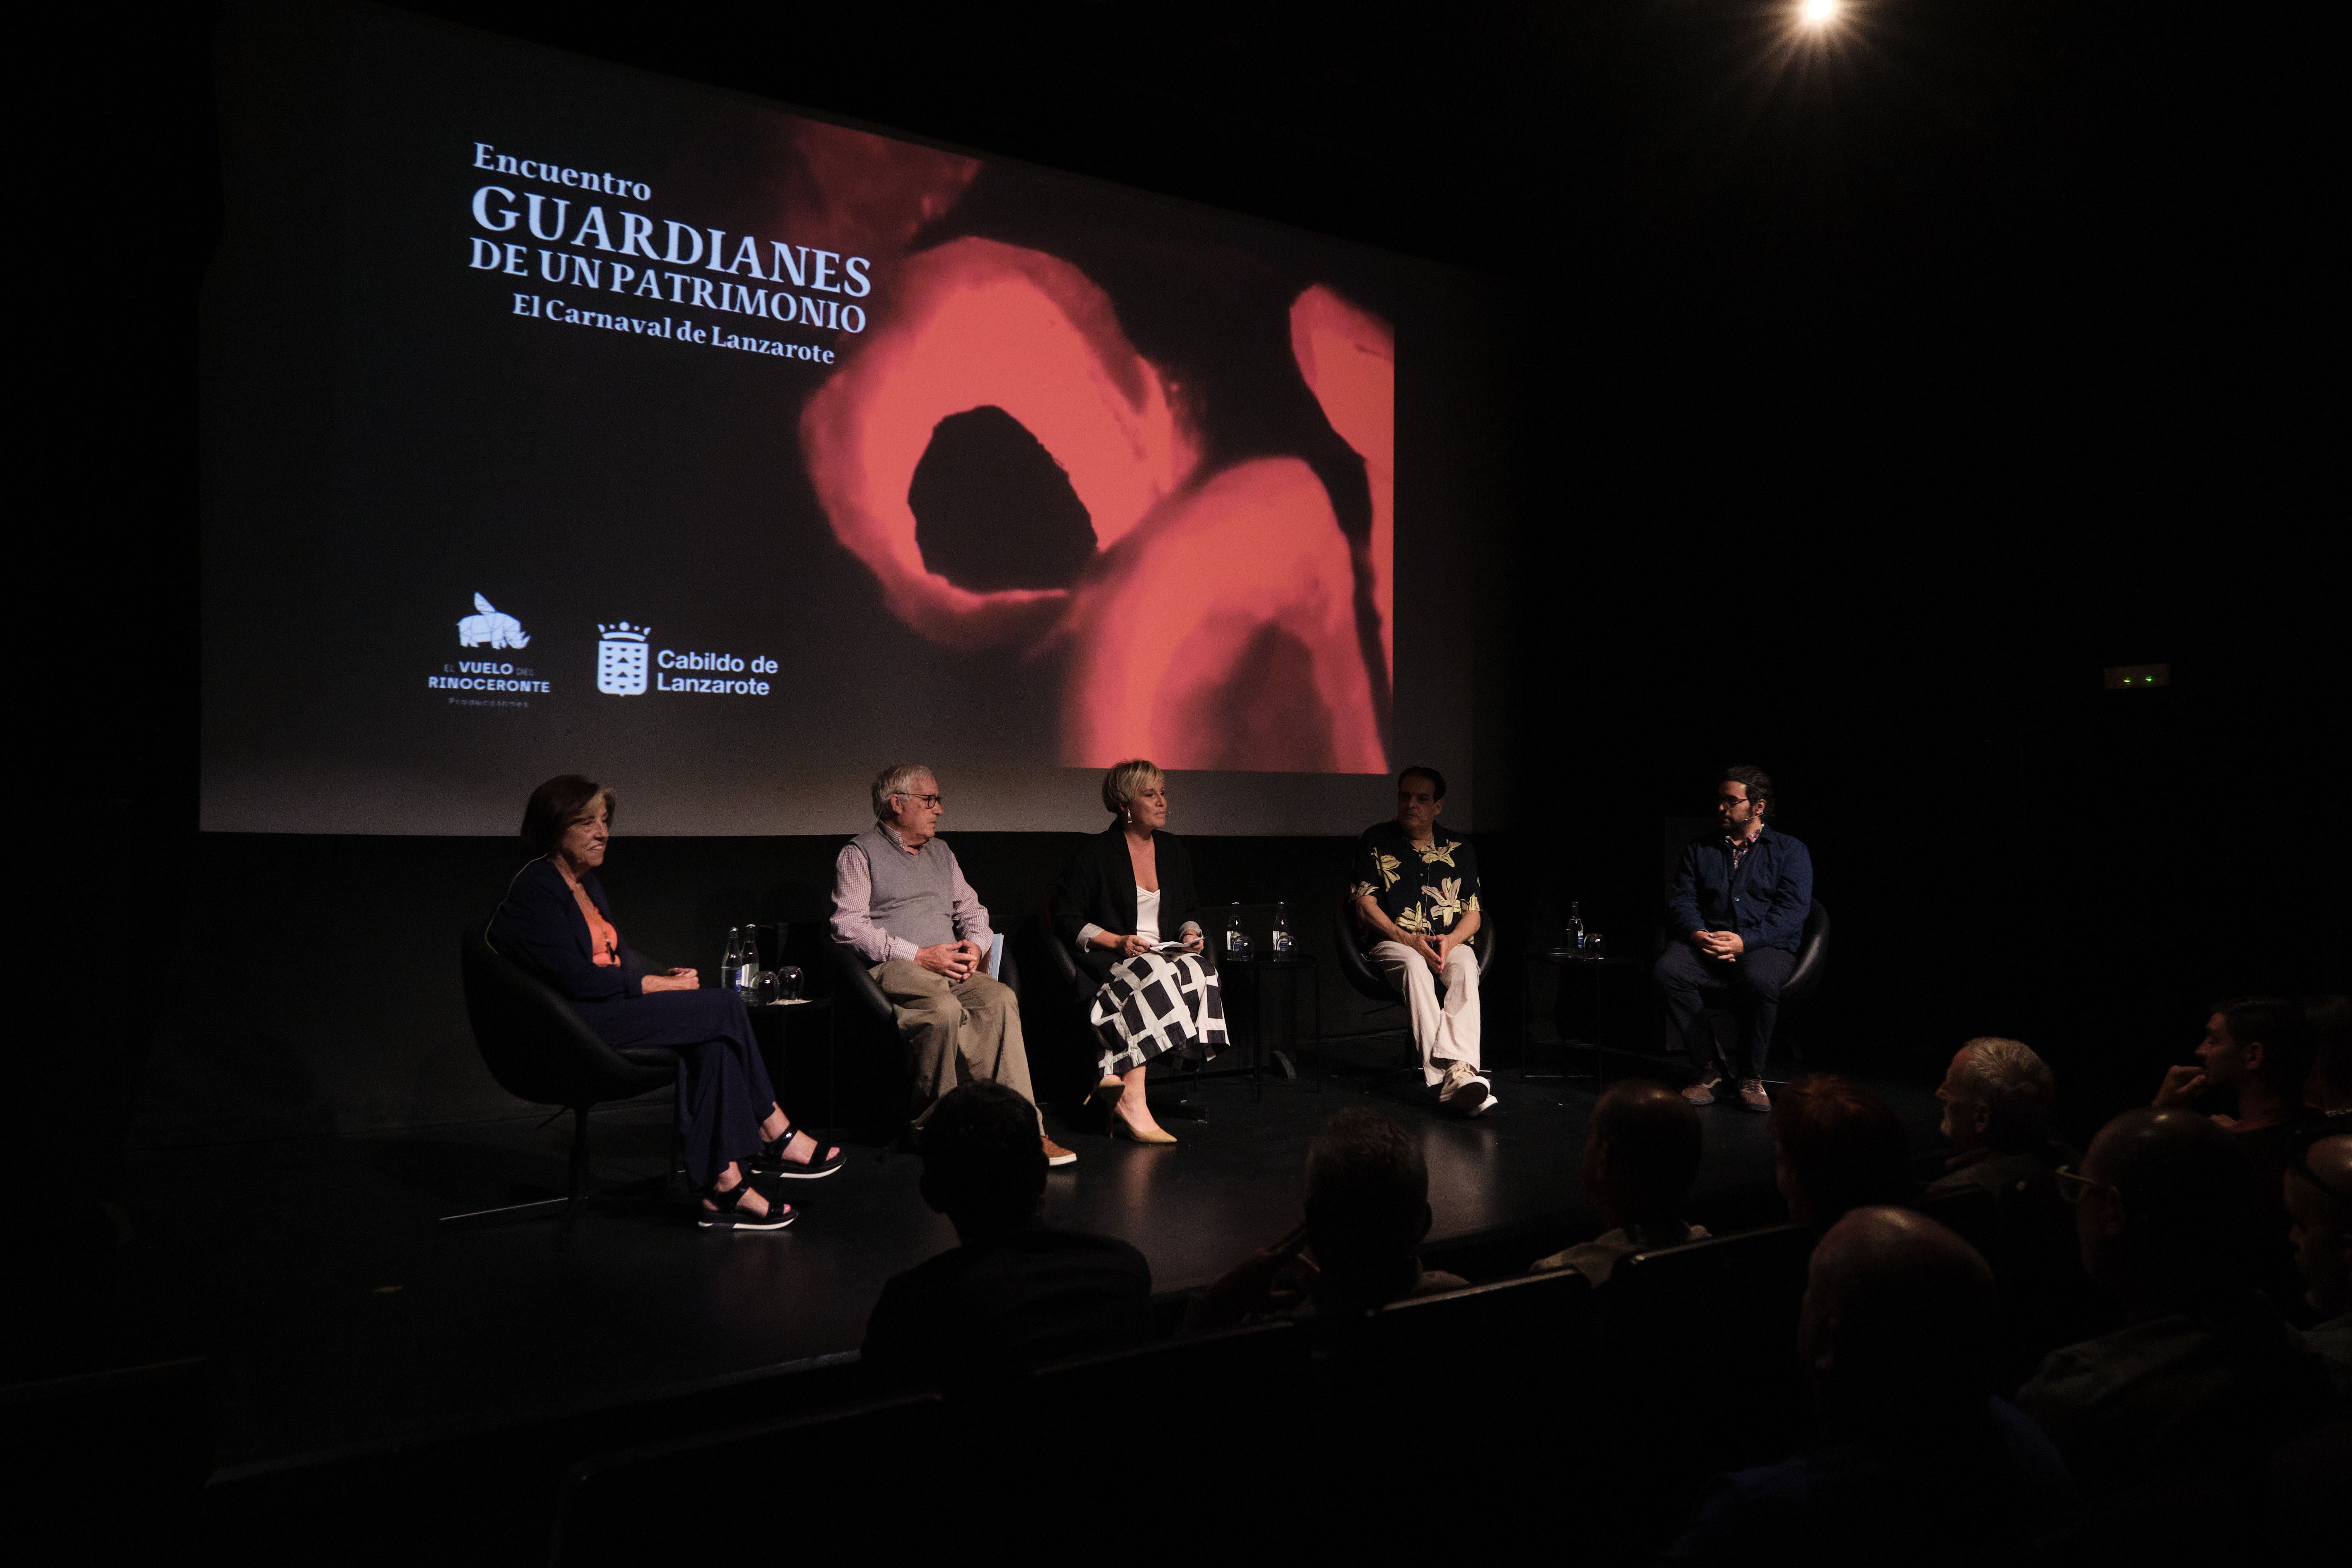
[490,628]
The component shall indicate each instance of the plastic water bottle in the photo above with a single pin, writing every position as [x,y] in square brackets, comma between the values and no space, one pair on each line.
[1280,939]
[1576,927]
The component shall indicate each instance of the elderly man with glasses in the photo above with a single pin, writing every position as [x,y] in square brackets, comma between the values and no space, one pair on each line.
[900,900]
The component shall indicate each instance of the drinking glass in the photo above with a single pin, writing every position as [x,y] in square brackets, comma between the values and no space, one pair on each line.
[787,983]
[1595,947]
[763,994]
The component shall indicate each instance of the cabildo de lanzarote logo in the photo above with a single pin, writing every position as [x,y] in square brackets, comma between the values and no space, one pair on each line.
[487,628]
[621,659]
[628,665]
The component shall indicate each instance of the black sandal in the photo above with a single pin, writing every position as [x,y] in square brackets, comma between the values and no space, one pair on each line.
[729,1216]
[771,1162]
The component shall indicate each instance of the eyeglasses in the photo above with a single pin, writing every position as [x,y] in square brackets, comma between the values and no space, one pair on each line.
[930,800]
[2073,1183]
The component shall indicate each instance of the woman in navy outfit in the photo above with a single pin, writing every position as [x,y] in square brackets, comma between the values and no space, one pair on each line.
[554,922]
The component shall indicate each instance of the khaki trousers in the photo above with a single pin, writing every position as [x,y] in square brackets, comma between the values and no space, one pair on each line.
[1445,1031]
[955,1031]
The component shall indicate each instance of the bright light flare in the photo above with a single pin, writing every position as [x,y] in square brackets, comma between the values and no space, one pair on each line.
[1818,13]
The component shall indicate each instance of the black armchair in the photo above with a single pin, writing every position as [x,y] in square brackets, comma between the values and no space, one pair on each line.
[1812,958]
[538,1049]
[856,978]
[1348,933]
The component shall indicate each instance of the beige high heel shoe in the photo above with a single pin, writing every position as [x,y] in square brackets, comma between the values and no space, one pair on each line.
[1120,1127]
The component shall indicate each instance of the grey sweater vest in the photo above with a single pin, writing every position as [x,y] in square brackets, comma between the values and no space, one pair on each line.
[913,897]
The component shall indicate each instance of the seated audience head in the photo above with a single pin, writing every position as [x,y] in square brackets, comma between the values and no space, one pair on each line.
[983,1164]
[1837,1147]
[2260,1044]
[2319,1200]
[571,814]
[1126,781]
[1898,1325]
[2328,1020]
[1641,1154]
[906,796]
[2166,1210]
[1997,1095]
[1367,1206]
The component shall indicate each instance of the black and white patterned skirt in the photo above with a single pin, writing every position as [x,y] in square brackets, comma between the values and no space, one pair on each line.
[1153,1003]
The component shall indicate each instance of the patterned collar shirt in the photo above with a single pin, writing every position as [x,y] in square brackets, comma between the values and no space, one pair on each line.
[1737,848]
[1425,888]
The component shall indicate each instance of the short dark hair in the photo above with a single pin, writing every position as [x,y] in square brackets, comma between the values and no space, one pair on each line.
[1436,780]
[1757,783]
[983,1166]
[2280,1027]
[1654,1141]
[1367,1191]
[1845,1150]
[556,806]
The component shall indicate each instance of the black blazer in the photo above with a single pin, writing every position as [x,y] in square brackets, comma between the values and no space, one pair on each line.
[538,925]
[1098,888]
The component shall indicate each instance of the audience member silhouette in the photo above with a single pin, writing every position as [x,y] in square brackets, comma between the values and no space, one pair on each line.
[1997,1097]
[1641,1156]
[1896,1337]
[2319,1201]
[1358,1249]
[2328,1091]
[1013,1292]
[2251,1069]
[1836,1147]
[2182,1405]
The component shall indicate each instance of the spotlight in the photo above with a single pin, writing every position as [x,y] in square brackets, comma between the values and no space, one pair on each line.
[1816,12]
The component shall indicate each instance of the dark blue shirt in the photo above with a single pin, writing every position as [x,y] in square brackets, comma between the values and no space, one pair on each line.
[1765,902]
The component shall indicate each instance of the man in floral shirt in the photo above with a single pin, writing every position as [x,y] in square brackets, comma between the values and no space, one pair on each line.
[1416,891]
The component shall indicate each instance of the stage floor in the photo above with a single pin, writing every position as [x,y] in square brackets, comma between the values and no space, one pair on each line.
[338,1313]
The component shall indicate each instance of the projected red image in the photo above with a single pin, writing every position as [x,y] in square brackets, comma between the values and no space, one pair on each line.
[1216,614]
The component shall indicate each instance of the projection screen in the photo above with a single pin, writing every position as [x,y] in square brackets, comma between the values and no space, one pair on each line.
[561,417]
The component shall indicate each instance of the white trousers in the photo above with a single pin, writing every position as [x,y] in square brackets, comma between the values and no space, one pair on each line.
[1446,1030]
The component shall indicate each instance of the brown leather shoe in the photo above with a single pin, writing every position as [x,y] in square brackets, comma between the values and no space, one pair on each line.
[1055,1154]
[1752,1095]
[1703,1091]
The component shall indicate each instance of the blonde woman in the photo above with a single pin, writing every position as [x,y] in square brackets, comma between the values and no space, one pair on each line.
[1128,903]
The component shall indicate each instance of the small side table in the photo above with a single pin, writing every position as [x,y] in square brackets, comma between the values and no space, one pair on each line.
[773,1024]
[1546,965]
[1257,969]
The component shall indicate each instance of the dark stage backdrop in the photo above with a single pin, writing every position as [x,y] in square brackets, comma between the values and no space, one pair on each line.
[561,417]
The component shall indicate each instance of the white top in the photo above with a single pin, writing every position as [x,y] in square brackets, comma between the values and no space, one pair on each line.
[1147,915]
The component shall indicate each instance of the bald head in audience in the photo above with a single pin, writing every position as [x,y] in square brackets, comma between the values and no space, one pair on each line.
[1642,1155]
[2169,1209]
[1898,1322]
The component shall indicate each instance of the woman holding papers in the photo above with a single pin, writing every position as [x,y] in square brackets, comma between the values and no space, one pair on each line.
[1128,904]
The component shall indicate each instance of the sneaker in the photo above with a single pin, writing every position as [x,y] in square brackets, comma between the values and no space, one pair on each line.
[1055,1154]
[1703,1091]
[1752,1095]
[1458,1076]
[1478,1099]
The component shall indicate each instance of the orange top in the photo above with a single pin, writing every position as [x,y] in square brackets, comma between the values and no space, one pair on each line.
[604,941]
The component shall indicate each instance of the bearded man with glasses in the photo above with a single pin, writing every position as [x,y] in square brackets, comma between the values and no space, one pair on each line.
[900,900]
[1738,913]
